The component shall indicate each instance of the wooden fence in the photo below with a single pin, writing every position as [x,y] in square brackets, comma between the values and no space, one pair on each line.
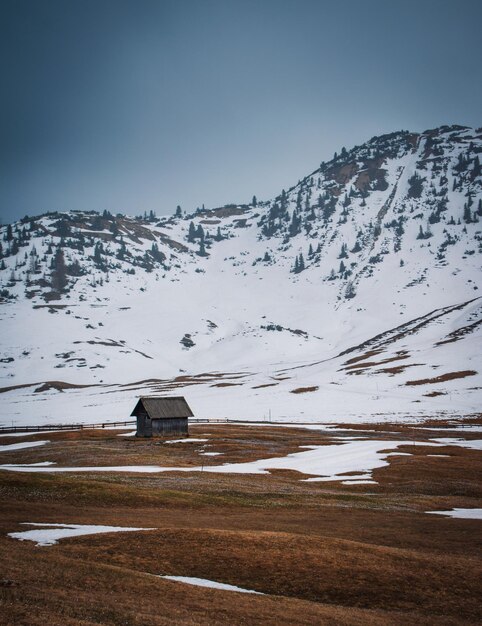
[127,423]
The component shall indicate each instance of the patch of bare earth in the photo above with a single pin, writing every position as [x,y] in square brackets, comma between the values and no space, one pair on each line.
[442,378]
[304,389]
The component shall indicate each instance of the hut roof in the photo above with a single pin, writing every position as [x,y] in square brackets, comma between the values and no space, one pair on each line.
[163,408]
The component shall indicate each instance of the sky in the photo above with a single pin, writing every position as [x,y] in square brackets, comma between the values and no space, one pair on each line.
[139,105]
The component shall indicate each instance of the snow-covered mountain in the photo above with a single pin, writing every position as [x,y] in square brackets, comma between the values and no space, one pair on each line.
[353,292]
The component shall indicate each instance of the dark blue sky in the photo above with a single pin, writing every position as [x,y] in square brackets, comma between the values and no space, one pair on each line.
[142,104]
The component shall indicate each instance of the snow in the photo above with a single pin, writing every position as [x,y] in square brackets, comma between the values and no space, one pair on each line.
[325,463]
[204,582]
[22,446]
[50,534]
[122,338]
[460,513]
[473,444]
[359,482]
[187,440]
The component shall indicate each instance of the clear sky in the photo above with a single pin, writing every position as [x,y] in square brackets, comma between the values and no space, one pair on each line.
[142,104]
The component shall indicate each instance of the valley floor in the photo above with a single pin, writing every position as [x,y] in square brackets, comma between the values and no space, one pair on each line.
[358,548]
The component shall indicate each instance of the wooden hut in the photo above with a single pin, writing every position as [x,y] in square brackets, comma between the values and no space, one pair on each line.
[161,417]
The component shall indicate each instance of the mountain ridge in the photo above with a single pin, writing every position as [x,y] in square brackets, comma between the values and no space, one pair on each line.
[383,233]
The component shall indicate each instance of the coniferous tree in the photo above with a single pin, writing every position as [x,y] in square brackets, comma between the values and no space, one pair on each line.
[59,274]
[467,214]
[9,233]
[178,212]
[301,263]
[202,248]
[192,233]
[254,201]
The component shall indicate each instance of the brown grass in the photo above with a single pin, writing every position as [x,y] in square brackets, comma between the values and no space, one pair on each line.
[304,389]
[442,378]
[323,553]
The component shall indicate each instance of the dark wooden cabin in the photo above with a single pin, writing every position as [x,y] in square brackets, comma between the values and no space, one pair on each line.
[161,417]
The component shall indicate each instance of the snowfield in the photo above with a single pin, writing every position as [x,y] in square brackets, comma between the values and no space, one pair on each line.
[381,318]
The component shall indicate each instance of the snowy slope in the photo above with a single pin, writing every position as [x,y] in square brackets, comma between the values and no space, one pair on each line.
[264,300]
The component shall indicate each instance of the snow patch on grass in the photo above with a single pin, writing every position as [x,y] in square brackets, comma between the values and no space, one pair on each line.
[50,534]
[204,582]
[460,513]
[10,447]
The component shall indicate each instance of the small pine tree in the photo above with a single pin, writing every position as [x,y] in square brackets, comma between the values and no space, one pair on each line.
[59,274]
[467,214]
[301,263]
[202,248]
[254,201]
[178,212]
[192,233]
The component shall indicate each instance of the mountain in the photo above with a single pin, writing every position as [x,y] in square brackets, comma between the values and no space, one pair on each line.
[352,293]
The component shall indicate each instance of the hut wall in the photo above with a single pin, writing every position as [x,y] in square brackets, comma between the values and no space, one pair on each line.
[144,425]
[169,426]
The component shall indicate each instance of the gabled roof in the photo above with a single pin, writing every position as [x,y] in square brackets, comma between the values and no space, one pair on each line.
[163,408]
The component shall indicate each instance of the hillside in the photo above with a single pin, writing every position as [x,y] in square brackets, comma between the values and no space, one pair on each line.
[354,292]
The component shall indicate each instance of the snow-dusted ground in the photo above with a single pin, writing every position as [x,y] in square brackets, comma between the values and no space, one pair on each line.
[49,534]
[212,584]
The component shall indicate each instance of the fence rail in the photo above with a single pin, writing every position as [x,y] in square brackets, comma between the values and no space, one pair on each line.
[50,427]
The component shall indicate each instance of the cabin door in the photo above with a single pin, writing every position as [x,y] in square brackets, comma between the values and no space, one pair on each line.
[148,426]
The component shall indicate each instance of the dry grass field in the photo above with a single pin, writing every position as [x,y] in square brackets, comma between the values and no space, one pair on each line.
[320,552]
